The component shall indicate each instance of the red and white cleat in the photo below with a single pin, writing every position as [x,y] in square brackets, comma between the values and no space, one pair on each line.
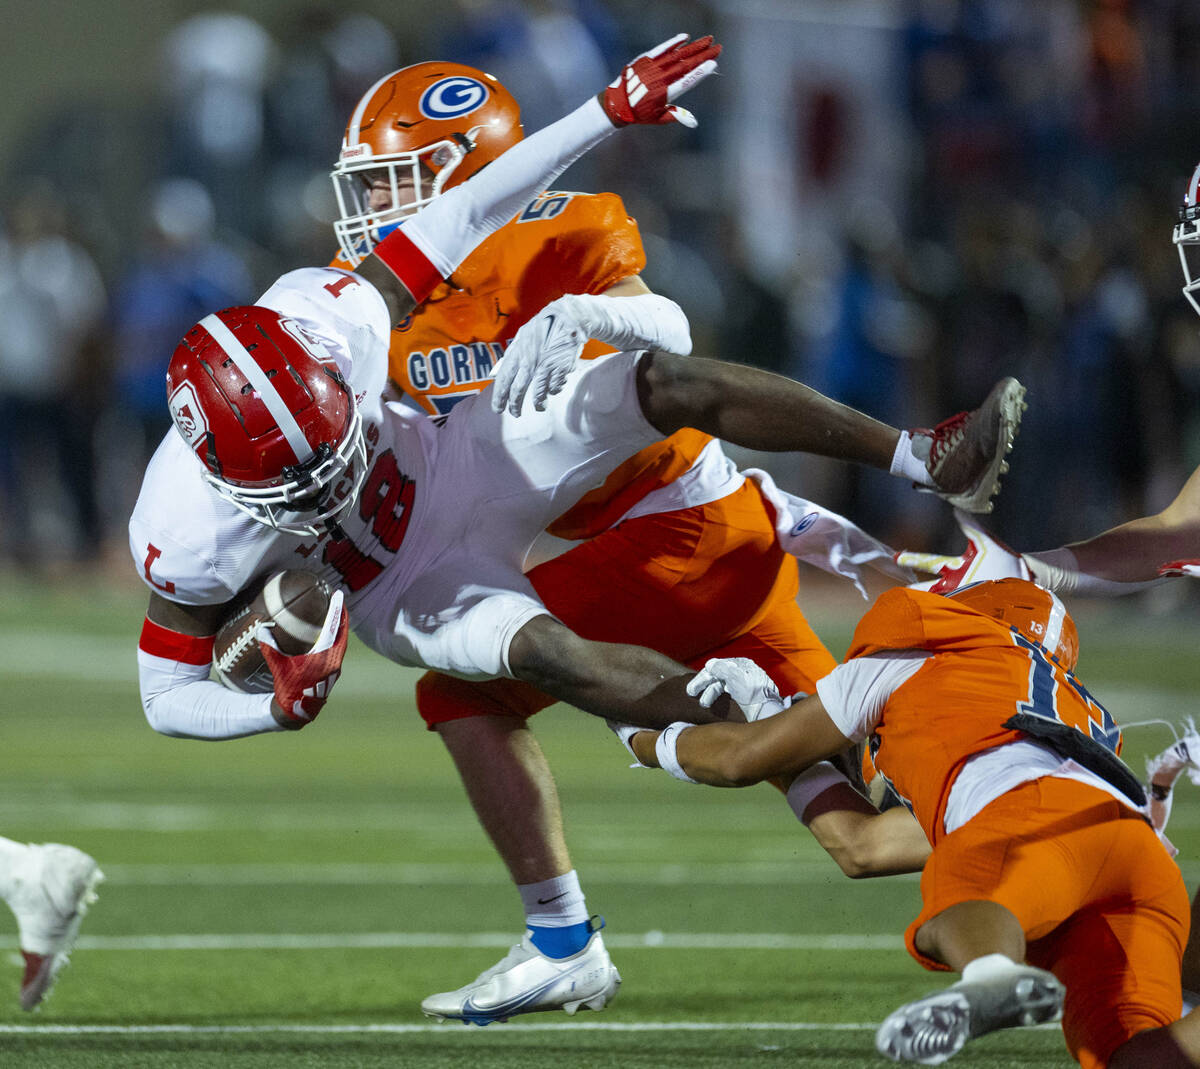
[967,451]
[51,896]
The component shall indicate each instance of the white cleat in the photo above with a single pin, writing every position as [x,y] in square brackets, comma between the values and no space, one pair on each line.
[935,1028]
[526,981]
[52,894]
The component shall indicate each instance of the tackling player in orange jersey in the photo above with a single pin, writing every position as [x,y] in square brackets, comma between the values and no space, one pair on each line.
[685,558]
[703,577]
[1045,877]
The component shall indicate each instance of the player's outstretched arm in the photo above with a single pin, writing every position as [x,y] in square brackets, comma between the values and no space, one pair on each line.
[629,684]
[741,754]
[411,261]
[1123,560]
[1138,551]
[961,459]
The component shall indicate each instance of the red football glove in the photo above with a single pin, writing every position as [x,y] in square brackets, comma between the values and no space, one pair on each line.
[643,91]
[303,682]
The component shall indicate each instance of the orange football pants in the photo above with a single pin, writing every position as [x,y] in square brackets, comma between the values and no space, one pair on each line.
[1103,906]
[707,581]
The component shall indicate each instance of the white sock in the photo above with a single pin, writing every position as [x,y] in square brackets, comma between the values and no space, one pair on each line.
[907,464]
[986,967]
[554,903]
[13,857]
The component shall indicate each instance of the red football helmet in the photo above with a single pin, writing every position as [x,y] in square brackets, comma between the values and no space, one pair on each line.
[1187,239]
[422,129]
[1029,609]
[261,402]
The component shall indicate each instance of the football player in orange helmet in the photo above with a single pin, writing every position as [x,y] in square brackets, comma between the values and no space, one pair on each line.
[414,134]
[676,551]
[1046,887]
[1125,559]
[429,127]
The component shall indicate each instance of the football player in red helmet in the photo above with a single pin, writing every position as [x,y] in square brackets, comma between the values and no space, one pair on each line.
[270,400]
[276,436]
[1046,888]
[676,551]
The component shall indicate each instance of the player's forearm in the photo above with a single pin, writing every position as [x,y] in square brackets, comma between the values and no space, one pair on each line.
[633,321]
[718,754]
[863,841]
[1130,553]
[1127,557]
[174,661]
[630,684]
[758,410]
[207,710]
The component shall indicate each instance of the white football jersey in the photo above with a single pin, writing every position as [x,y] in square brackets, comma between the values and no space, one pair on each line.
[431,556]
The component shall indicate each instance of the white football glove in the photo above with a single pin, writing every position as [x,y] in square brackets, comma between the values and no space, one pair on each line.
[1162,771]
[984,558]
[743,681]
[541,355]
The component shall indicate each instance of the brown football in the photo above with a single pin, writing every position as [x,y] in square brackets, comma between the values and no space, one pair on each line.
[294,603]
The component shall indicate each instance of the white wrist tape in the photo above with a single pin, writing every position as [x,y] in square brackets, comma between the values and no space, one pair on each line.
[449,228]
[813,781]
[1058,570]
[664,749]
[643,321]
[907,464]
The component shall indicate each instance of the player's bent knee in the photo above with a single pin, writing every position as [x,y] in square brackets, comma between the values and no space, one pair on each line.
[1155,1046]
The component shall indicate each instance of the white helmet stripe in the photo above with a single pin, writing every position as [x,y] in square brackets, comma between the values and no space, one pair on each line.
[246,364]
[1192,186]
[352,128]
[1054,622]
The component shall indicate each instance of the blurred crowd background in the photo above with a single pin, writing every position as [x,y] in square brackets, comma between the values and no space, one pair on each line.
[898,202]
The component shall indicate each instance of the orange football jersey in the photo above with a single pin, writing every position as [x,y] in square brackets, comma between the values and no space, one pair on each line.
[560,243]
[984,680]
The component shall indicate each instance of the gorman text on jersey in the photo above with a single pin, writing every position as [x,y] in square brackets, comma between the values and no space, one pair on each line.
[454,365]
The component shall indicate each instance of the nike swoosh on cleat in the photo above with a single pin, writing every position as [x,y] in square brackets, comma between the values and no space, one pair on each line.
[478,1014]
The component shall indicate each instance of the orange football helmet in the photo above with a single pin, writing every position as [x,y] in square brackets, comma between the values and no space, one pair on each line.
[422,130]
[1031,610]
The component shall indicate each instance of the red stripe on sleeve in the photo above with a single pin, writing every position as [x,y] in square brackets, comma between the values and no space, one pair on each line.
[159,641]
[409,264]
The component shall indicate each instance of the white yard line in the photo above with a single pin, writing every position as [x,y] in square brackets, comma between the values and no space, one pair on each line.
[470,940]
[418,874]
[447,1028]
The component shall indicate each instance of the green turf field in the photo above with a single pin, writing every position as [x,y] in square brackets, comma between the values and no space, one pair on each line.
[288,900]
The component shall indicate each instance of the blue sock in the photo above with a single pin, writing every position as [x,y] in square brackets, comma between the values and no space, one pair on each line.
[561,942]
